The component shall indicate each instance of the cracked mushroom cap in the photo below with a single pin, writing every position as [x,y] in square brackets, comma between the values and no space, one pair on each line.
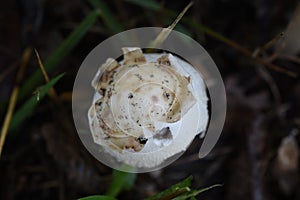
[147,108]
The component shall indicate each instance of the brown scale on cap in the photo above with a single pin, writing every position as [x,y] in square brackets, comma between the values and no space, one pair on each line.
[133,57]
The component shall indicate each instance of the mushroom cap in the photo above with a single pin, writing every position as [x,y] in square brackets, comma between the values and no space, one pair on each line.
[147,108]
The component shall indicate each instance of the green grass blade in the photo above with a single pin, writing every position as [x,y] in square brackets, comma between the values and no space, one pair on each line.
[147,4]
[65,48]
[174,190]
[108,17]
[29,105]
[98,197]
[194,193]
[121,181]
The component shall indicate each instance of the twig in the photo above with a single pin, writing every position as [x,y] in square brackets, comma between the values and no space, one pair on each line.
[14,95]
[259,51]
[193,23]
[291,58]
[239,48]
[272,42]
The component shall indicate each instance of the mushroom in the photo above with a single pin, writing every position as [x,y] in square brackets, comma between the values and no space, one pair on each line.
[147,108]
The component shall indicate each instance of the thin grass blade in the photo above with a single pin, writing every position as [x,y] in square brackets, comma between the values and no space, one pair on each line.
[121,181]
[174,190]
[29,105]
[194,193]
[98,197]
[147,4]
[64,49]
[107,15]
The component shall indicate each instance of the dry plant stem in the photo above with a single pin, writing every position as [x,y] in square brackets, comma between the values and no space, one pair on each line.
[239,48]
[66,96]
[272,42]
[291,58]
[268,45]
[276,67]
[13,98]
[52,92]
[166,31]
[62,116]
[262,61]
[273,57]
[272,84]
[265,74]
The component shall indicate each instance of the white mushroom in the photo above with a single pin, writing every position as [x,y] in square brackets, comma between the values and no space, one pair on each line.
[147,108]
